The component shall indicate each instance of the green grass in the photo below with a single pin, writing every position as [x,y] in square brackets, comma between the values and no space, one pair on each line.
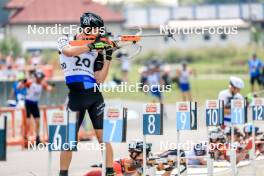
[202,88]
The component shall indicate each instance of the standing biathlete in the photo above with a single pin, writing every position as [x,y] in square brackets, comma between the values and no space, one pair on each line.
[34,89]
[84,67]
[233,92]
[183,75]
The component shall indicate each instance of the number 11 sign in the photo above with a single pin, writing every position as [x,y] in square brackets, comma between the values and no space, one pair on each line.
[238,111]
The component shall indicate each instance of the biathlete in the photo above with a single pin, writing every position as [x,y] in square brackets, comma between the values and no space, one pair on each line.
[84,67]
[133,165]
[34,89]
[233,92]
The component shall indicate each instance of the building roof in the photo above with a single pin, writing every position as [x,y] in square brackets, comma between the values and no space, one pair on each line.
[14,4]
[58,11]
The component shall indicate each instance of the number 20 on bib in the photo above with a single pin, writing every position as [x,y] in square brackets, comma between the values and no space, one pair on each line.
[115,119]
[238,111]
[186,115]
[214,112]
[152,119]
[258,109]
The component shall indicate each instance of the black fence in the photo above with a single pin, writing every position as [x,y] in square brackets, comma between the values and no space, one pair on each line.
[57,97]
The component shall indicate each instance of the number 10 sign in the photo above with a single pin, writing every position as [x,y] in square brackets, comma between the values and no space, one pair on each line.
[214,112]
[152,119]
[114,124]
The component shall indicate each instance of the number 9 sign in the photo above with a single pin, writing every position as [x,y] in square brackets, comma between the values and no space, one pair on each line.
[258,109]
[186,115]
[152,119]
[238,111]
[214,112]
[114,124]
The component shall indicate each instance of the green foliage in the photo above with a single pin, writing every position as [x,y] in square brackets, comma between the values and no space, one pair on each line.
[193,55]
[10,45]
[49,55]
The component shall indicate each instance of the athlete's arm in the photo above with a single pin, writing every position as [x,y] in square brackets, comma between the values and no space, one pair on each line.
[68,50]
[23,84]
[101,74]
[47,87]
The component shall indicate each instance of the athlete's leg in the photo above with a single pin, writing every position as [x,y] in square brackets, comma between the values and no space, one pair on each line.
[109,149]
[252,82]
[36,115]
[66,156]
[65,160]
[189,95]
[184,96]
[96,113]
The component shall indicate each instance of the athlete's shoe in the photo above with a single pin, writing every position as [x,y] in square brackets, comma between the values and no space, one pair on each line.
[63,173]
[110,173]
[38,140]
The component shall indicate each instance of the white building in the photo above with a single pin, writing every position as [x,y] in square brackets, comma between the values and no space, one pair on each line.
[26,16]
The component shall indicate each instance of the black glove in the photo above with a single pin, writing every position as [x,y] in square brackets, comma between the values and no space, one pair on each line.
[109,52]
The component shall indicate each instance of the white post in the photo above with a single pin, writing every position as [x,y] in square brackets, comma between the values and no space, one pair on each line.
[104,160]
[144,155]
[210,166]
[178,153]
[233,153]
[253,150]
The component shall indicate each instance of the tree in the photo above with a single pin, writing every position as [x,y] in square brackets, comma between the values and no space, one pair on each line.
[10,45]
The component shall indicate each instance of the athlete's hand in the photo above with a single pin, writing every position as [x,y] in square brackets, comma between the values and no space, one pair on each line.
[109,52]
[98,45]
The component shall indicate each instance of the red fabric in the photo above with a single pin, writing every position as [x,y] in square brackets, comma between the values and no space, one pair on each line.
[98,171]
[249,144]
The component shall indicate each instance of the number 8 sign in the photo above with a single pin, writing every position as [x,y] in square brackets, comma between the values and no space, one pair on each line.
[214,112]
[258,109]
[186,115]
[152,119]
[238,111]
[114,124]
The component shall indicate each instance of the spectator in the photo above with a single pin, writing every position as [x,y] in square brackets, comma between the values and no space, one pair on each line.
[255,65]
[36,59]
[20,63]
[183,75]
[18,94]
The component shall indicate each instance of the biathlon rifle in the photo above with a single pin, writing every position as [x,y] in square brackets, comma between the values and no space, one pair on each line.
[128,43]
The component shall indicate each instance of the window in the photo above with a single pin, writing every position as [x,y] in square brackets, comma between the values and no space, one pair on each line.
[223,36]
[207,37]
